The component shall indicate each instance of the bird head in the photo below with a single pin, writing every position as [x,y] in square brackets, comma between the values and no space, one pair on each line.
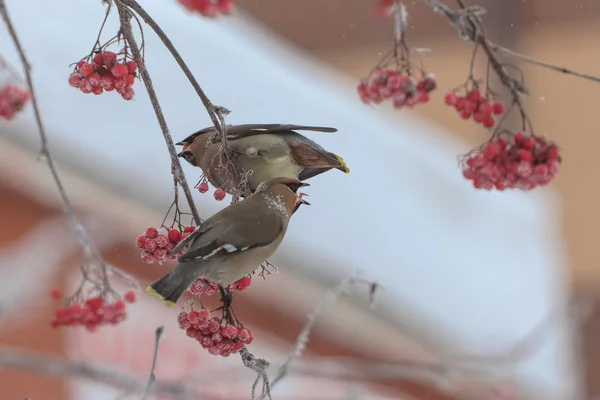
[288,189]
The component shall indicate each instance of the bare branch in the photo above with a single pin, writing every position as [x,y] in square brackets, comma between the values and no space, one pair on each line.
[81,235]
[49,365]
[303,337]
[216,113]
[458,20]
[177,171]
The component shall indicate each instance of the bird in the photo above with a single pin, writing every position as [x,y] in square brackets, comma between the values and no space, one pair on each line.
[268,150]
[235,241]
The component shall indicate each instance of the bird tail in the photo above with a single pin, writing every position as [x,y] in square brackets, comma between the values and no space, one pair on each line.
[343,167]
[170,287]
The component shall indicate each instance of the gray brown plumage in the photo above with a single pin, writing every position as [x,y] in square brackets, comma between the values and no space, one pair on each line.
[233,242]
[268,150]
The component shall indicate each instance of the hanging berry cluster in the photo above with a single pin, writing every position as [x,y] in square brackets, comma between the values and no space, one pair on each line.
[107,71]
[157,244]
[208,8]
[402,88]
[476,106]
[12,100]
[92,312]
[213,333]
[525,162]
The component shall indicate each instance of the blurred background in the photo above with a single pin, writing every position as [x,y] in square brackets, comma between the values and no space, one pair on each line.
[463,272]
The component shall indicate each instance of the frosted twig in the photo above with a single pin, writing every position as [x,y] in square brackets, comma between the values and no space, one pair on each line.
[152,378]
[177,171]
[304,335]
[90,251]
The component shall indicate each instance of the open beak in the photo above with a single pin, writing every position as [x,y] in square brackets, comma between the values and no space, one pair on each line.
[301,200]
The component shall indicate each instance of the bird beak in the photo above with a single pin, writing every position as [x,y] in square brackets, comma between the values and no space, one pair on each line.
[301,200]
[182,144]
[304,184]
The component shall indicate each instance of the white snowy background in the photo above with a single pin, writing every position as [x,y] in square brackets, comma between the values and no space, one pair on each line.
[466,270]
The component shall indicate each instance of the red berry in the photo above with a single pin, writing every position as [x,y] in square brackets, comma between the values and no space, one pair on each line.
[489,121]
[174,236]
[161,241]
[129,296]
[151,233]
[109,59]
[119,70]
[219,194]
[203,187]
[189,229]
[241,284]
[498,108]
[74,79]
[465,114]
[150,245]
[147,257]
[127,93]
[56,294]
[159,254]
[131,66]
[450,99]
[87,69]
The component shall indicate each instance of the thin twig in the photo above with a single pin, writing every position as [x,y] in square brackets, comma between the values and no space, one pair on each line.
[457,19]
[177,171]
[215,113]
[303,337]
[50,365]
[152,378]
[81,235]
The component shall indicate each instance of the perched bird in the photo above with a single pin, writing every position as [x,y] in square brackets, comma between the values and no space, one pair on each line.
[268,150]
[235,241]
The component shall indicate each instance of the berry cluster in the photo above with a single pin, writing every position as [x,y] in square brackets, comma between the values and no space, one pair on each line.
[385,8]
[219,193]
[158,243]
[92,313]
[203,286]
[208,8]
[12,100]
[218,338]
[402,88]
[475,105]
[105,73]
[527,162]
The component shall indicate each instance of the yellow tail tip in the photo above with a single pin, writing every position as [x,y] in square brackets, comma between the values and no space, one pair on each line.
[150,290]
[344,165]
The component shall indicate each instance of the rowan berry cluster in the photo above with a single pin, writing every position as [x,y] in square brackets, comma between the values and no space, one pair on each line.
[105,73]
[203,286]
[91,313]
[12,100]
[213,334]
[524,163]
[475,105]
[401,87]
[208,8]
[157,244]
[219,193]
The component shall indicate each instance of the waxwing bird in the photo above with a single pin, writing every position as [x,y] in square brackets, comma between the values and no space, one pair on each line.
[235,241]
[268,150]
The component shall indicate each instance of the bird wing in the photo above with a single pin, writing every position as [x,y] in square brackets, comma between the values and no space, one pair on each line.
[310,155]
[234,235]
[240,131]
